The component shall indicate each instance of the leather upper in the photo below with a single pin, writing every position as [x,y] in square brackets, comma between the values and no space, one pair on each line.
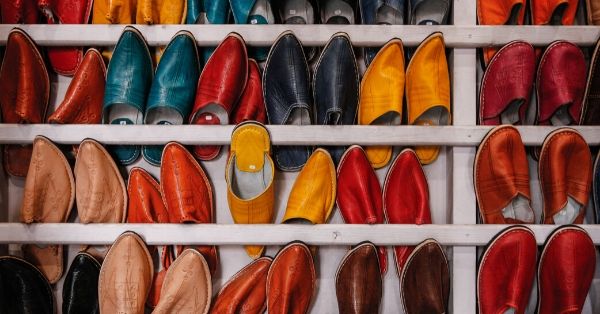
[216,11]
[406,197]
[252,104]
[425,280]
[160,11]
[101,195]
[83,100]
[145,201]
[126,276]
[313,194]
[80,288]
[359,196]
[593,12]
[499,12]
[358,282]
[554,12]
[590,112]
[246,291]
[24,288]
[114,12]
[291,280]
[560,84]
[286,91]
[565,169]
[507,83]
[19,12]
[596,188]
[565,271]
[381,95]
[507,271]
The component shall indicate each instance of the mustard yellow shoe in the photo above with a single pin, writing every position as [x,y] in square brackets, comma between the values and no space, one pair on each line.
[161,12]
[114,11]
[381,94]
[428,90]
[249,176]
[313,194]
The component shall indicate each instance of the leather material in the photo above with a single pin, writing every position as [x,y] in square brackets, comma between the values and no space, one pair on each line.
[246,291]
[23,96]
[65,60]
[381,95]
[291,280]
[160,12]
[501,175]
[593,12]
[114,12]
[126,276]
[19,12]
[506,272]
[596,188]
[101,195]
[553,12]
[313,194]
[425,280]
[80,288]
[173,88]
[565,271]
[406,198]
[427,89]
[335,87]
[221,84]
[286,91]
[359,196]
[590,112]
[187,287]
[358,282]
[242,14]
[24,288]
[48,197]
[560,84]
[249,154]
[499,12]
[128,82]
[83,100]
[565,169]
[241,10]
[252,104]
[507,83]
[443,7]
[373,12]
[207,12]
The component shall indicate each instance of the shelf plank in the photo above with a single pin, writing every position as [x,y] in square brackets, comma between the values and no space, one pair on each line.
[263,35]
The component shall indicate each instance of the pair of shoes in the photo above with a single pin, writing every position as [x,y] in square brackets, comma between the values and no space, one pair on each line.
[49,195]
[405,197]
[508,267]
[282,285]
[427,93]
[501,176]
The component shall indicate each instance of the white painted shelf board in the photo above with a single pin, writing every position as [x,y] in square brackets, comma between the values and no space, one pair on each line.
[463,36]
[280,134]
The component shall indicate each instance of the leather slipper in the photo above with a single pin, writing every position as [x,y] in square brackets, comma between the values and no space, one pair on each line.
[590,111]
[380,13]
[255,12]
[553,12]
[429,12]
[499,12]
[80,288]
[24,288]
[251,106]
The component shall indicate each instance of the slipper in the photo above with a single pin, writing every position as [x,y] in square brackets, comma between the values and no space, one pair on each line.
[207,12]
[255,12]
[499,12]
[19,12]
[80,288]
[590,112]
[252,104]
[24,288]
[338,12]
[429,12]
[553,12]
[373,12]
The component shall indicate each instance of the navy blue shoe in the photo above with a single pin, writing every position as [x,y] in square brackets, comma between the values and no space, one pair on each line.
[380,12]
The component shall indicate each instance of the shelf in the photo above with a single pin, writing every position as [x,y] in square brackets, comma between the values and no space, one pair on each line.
[280,135]
[263,35]
[228,234]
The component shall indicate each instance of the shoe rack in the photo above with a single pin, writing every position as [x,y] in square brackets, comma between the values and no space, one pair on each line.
[454,208]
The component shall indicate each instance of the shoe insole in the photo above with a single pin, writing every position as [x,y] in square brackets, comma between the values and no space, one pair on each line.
[163,115]
[388,118]
[124,114]
[561,116]
[297,12]
[386,15]
[436,115]
[333,117]
[337,12]
[212,111]
[557,15]
[429,12]
[568,214]
[247,185]
[298,221]
[510,115]
[519,209]
[299,116]
[510,311]
[261,13]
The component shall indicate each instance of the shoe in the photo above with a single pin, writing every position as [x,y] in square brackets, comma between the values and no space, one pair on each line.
[128,81]
[219,91]
[101,195]
[246,291]
[406,198]
[335,87]
[80,288]
[187,287]
[287,97]
[428,90]
[312,196]
[251,106]
[160,12]
[338,11]
[593,12]
[381,95]
[24,288]
[249,176]
[501,177]
[425,280]
[565,171]
[125,276]
[358,282]
[590,111]
[19,12]
[429,12]
[374,12]
[505,101]
[255,12]
[299,12]
[506,272]
[359,194]
[24,96]
[48,197]
[596,188]
[291,280]
[500,12]
[173,89]
[207,12]
[565,271]
[114,12]
[553,12]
